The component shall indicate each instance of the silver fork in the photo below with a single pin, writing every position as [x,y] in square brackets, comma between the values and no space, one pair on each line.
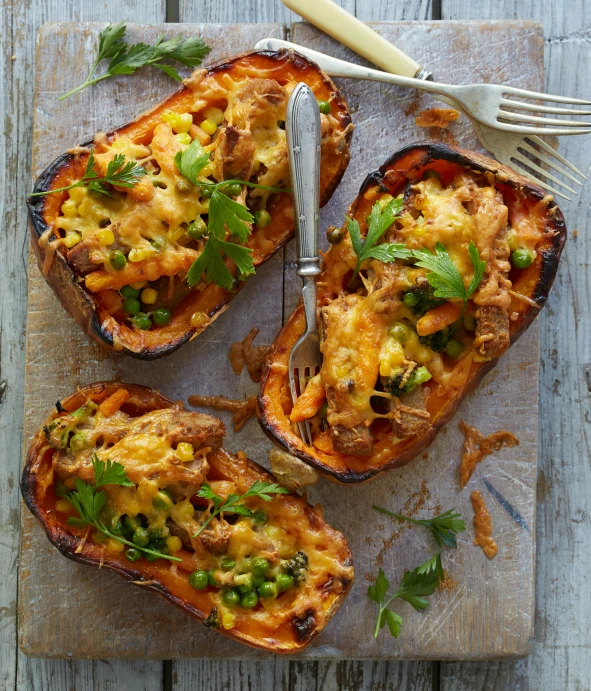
[302,127]
[508,147]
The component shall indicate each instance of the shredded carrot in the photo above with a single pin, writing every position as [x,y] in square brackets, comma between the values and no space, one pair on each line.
[438,318]
[309,402]
[112,404]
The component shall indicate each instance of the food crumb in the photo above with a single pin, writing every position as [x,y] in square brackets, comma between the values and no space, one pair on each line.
[243,410]
[575,233]
[245,353]
[477,446]
[483,526]
[448,583]
[436,117]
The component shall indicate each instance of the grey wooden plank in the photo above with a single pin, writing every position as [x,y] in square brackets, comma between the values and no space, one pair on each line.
[560,657]
[20,22]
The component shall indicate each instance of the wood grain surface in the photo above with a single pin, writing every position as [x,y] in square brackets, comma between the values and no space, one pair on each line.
[481,617]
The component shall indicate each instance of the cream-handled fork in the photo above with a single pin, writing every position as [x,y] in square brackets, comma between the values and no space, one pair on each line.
[302,128]
[508,147]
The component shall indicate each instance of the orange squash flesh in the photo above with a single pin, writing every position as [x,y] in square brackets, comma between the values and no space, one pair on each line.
[97,312]
[172,582]
[530,289]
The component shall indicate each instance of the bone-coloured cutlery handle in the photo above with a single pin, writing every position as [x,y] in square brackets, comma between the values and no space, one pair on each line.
[302,127]
[339,24]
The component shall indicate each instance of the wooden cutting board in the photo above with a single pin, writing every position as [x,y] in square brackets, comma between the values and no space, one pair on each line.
[70,610]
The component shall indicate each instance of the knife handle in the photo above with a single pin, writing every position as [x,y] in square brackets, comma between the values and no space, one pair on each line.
[347,29]
[302,129]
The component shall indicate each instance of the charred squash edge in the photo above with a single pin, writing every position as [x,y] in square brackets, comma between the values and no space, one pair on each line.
[420,155]
[67,543]
[62,278]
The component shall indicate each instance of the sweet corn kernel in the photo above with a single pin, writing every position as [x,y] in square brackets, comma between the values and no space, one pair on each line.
[63,506]
[184,451]
[184,138]
[180,122]
[191,211]
[209,127]
[138,254]
[105,237]
[72,239]
[149,296]
[228,620]
[512,240]
[70,208]
[173,543]
[214,114]
[138,285]
[83,208]
[115,546]
[78,194]
[199,319]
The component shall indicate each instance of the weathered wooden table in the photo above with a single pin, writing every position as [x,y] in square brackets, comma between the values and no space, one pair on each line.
[562,641]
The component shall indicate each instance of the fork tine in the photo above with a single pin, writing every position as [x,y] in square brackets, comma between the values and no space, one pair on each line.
[546,161]
[522,105]
[553,152]
[527,174]
[544,131]
[522,117]
[538,95]
[530,164]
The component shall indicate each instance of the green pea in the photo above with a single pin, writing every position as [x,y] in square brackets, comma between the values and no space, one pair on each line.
[116,526]
[227,563]
[131,306]
[410,299]
[132,554]
[257,581]
[334,235]
[268,590]
[259,517]
[140,537]
[400,332]
[161,316]
[199,580]
[259,566]
[262,218]
[521,258]
[131,524]
[197,229]
[284,582]
[206,192]
[469,322]
[155,535]
[182,186]
[249,599]
[211,579]
[158,243]
[130,292]
[99,538]
[78,442]
[431,174]
[141,321]
[162,501]
[153,557]
[324,107]
[231,597]
[232,190]
[454,348]
[117,260]
[159,545]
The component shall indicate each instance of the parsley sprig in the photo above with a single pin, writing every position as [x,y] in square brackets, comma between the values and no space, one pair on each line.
[125,59]
[89,501]
[417,585]
[231,504]
[444,526]
[119,172]
[378,222]
[444,276]
[223,213]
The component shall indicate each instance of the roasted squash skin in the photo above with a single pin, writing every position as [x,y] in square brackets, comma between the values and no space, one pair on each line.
[85,308]
[274,402]
[37,487]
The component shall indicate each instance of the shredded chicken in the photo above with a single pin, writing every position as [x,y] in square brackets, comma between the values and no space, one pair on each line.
[477,446]
[243,410]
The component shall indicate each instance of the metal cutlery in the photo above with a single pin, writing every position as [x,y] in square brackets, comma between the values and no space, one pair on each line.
[302,128]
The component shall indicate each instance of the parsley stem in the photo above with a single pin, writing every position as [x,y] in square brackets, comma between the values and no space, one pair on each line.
[84,84]
[59,189]
[204,526]
[215,185]
[100,525]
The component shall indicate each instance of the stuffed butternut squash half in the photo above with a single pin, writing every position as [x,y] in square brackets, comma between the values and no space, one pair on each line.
[147,233]
[120,477]
[445,258]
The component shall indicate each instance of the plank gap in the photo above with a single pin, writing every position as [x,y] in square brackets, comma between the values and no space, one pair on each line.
[172,11]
